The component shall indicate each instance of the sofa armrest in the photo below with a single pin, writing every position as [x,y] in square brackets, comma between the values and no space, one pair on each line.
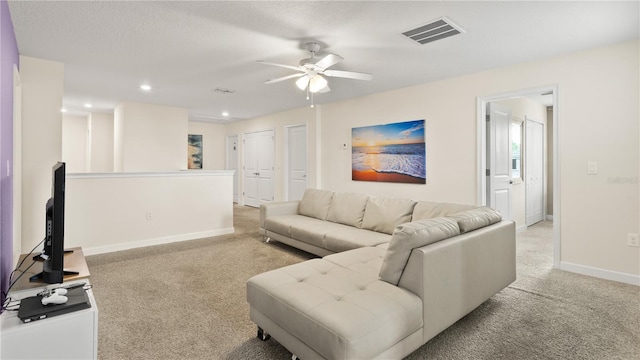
[277,208]
[456,275]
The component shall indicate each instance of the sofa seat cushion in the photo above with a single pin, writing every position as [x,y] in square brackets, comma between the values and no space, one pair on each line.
[348,238]
[280,224]
[366,260]
[338,312]
[312,231]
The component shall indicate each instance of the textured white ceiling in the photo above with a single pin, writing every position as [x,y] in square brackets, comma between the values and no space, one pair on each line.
[187,49]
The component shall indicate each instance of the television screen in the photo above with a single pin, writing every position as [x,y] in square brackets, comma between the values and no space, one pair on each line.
[53,253]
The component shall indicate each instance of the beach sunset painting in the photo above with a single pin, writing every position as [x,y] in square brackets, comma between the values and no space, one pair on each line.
[389,153]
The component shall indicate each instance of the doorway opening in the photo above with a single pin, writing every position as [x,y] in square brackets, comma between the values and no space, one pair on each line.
[502,165]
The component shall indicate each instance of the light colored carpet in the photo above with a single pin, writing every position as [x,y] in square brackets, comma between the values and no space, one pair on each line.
[187,301]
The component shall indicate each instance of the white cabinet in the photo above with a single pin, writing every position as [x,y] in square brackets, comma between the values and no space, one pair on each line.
[69,336]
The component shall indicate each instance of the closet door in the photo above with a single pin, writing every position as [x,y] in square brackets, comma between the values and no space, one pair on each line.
[259,148]
[534,172]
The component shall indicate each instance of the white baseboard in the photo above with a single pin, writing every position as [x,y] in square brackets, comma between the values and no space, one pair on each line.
[156,241]
[601,273]
[550,217]
[521,228]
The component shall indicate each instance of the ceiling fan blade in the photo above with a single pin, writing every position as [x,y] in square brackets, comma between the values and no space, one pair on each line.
[296,68]
[284,78]
[348,74]
[328,61]
[325,89]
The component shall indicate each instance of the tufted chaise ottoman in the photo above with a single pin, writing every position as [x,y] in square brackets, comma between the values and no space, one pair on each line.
[337,308]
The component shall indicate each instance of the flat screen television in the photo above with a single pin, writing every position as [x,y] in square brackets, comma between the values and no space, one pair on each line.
[53,252]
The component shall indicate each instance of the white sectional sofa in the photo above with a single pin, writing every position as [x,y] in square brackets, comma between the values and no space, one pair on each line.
[324,222]
[395,273]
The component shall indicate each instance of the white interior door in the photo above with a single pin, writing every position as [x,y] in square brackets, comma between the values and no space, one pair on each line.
[259,148]
[266,149]
[296,162]
[251,170]
[499,159]
[534,172]
[232,162]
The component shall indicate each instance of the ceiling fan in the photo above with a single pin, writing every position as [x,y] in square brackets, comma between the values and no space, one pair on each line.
[311,71]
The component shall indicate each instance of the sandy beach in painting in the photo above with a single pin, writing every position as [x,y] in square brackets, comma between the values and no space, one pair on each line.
[371,175]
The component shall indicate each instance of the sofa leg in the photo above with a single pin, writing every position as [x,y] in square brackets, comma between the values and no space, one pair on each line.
[267,239]
[262,335]
[293,357]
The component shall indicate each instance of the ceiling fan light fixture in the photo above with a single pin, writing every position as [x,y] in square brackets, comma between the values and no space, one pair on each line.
[302,82]
[317,83]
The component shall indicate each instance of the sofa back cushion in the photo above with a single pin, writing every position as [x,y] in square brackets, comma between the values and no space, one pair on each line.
[384,214]
[409,236]
[476,218]
[428,210]
[315,203]
[347,208]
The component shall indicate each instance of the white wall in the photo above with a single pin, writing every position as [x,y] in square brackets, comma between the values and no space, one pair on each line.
[450,133]
[42,90]
[111,212]
[74,143]
[213,143]
[150,137]
[278,121]
[598,114]
[101,141]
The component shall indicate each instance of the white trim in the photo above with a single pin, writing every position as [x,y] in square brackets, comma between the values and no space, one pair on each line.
[521,228]
[156,241]
[481,112]
[549,217]
[150,174]
[601,273]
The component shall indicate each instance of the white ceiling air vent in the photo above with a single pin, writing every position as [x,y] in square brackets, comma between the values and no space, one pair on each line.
[436,30]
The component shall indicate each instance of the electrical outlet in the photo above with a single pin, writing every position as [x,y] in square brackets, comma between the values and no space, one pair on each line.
[149,215]
[632,240]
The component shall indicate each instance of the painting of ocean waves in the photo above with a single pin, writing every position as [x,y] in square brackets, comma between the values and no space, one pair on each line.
[407,159]
[389,153]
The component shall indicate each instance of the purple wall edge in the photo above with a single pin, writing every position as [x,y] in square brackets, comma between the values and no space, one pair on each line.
[9,57]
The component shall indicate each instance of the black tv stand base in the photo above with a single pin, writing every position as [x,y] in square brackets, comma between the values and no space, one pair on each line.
[40,275]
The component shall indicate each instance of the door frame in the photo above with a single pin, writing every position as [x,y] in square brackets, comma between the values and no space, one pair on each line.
[286,156]
[481,113]
[227,164]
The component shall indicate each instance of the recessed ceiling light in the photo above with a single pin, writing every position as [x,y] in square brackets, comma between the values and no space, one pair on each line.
[225,113]
[145,87]
[88,106]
